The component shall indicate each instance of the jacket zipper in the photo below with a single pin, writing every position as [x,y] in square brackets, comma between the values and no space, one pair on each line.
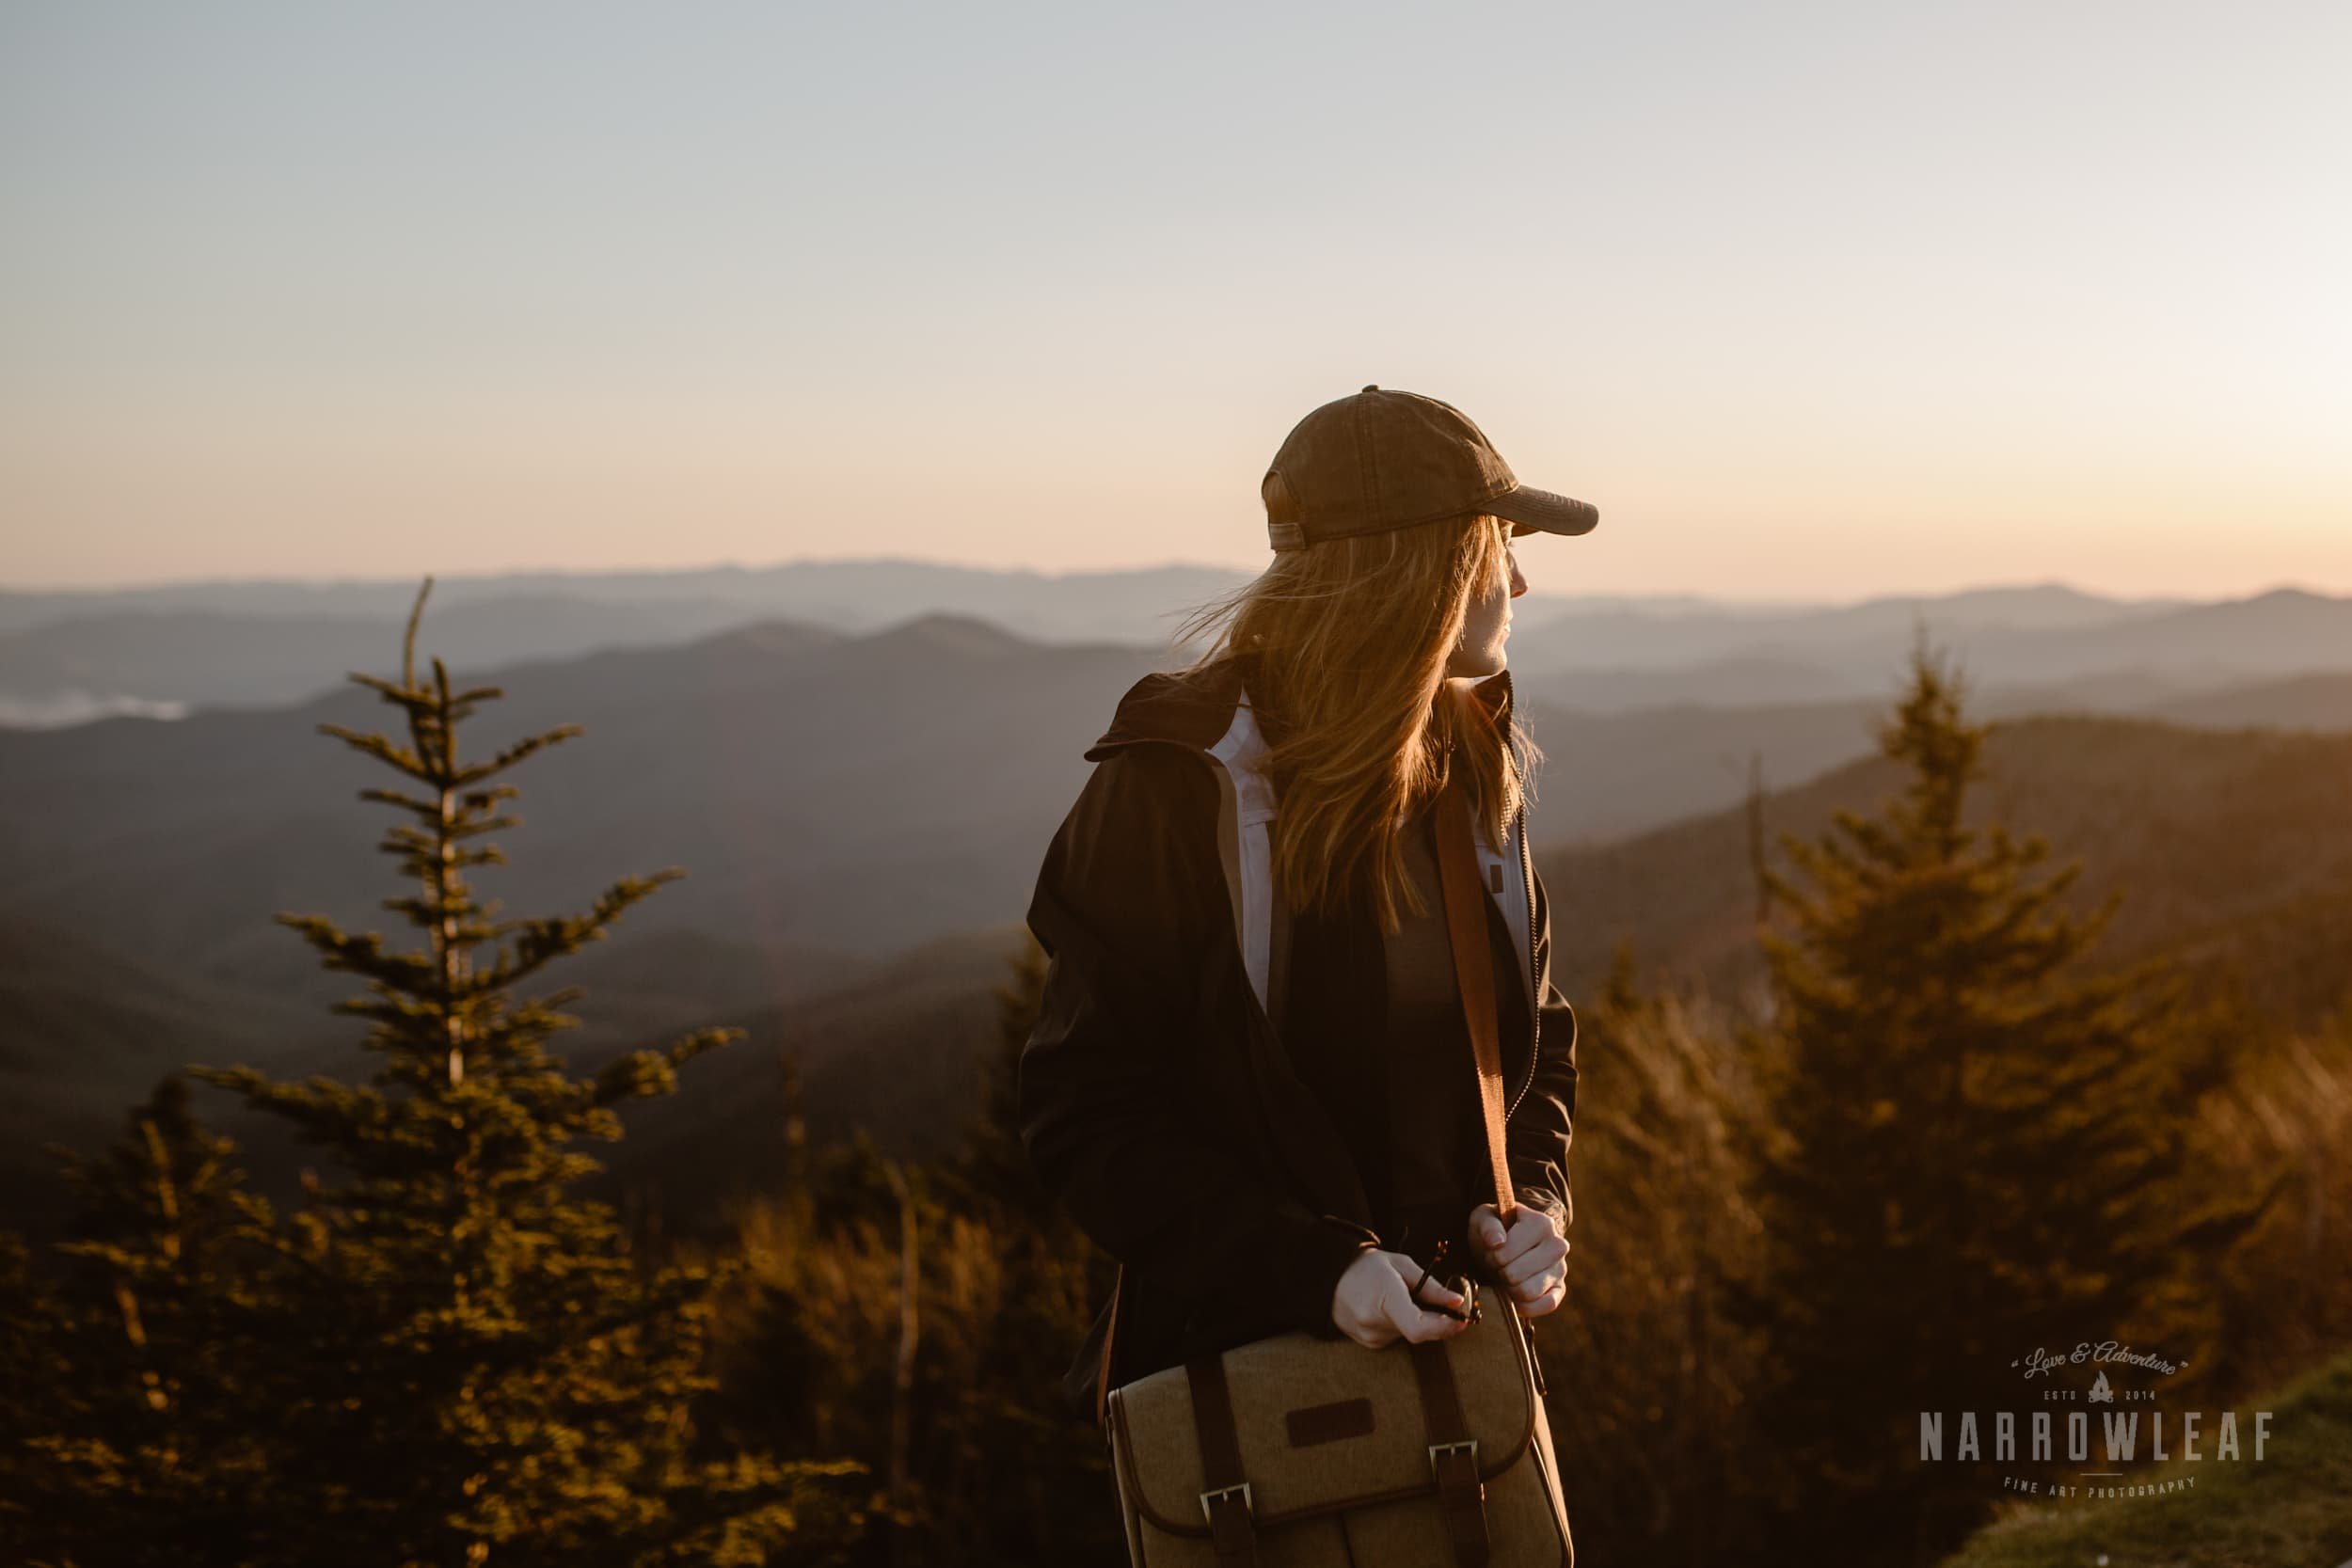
[1536,1010]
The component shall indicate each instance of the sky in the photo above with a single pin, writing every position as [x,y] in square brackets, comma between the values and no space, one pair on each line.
[1811,300]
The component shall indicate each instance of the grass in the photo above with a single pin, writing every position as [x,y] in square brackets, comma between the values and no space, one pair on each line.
[2294,1510]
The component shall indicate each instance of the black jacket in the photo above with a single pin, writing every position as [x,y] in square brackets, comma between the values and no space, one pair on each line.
[1155,1098]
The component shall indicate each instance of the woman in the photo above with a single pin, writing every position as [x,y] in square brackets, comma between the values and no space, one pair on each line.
[1251,1081]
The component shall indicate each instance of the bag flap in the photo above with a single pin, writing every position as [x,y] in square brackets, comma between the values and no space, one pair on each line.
[1324,1425]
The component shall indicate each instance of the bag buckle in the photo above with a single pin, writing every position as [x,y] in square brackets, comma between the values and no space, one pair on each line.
[1209,1499]
[1468,1447]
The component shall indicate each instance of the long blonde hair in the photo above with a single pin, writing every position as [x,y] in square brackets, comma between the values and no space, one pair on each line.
[1347,643]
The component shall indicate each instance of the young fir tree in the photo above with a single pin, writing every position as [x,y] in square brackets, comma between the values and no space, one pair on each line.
[1972,1146]
[137,1421]
[1009,1447]
[486,1374]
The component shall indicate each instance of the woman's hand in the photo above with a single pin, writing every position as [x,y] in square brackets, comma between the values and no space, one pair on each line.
[1373,1304]
[1529,1256]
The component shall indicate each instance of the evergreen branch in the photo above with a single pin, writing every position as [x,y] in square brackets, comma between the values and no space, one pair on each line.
[645,1074]
[408,637]
[483,799]
[322,1106]
[395,797]
[392,690]
[542,940]
[516,753]
[381,746]
[360,954]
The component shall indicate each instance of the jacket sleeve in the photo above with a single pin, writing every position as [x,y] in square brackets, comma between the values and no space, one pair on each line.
[1114,1123]
[1545,1121]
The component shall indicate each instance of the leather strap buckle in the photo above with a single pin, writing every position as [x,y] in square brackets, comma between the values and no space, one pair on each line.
[1210,1498]
[1468,1447]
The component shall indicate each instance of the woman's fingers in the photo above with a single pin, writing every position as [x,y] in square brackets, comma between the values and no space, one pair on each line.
[1538,1281]
[1542,1291]
[1433,1293]
[1421,1326]
[1414,1319]
[1375,1305]
[1554,1291]
[1503,1244]
[1548,1252]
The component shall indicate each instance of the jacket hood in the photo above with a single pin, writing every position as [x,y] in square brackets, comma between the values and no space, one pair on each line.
[1208,711]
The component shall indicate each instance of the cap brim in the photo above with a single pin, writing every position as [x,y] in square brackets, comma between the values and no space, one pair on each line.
[1542,512]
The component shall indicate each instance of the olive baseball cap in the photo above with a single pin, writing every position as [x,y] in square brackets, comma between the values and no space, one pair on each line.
[1385,459]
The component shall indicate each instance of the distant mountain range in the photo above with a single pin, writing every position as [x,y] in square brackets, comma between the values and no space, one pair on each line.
[824,790]
[1612,773]
[2053,641]
[2231,848]
[66,658]
[862,815]
[86,1029]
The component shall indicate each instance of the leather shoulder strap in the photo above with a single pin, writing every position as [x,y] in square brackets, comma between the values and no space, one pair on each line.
[1473,968]
[1103,1368]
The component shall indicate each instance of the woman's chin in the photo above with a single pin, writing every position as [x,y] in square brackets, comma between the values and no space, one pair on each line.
[1464,667]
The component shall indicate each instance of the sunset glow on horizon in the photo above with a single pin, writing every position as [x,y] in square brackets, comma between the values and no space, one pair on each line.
[1819,304]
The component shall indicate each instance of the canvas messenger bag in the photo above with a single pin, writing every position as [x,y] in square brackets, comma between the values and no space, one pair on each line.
[1297,1451]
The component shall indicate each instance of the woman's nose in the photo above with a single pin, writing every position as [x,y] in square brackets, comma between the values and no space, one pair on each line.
[1519,583]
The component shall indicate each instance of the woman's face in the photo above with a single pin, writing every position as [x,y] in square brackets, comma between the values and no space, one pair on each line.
[1487,625]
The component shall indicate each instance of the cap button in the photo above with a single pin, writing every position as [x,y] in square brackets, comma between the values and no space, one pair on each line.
[1372,388]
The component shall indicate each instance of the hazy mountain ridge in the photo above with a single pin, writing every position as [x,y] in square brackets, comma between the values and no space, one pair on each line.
[848,595]
[187,657]
[2230,845]
[824,789]
[2315,702]
[1609,774]
[86,1028]
[860,793]
[67,657]
[1631,659]
[840,801]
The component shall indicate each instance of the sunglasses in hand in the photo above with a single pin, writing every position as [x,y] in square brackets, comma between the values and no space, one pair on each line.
[1459,1285]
